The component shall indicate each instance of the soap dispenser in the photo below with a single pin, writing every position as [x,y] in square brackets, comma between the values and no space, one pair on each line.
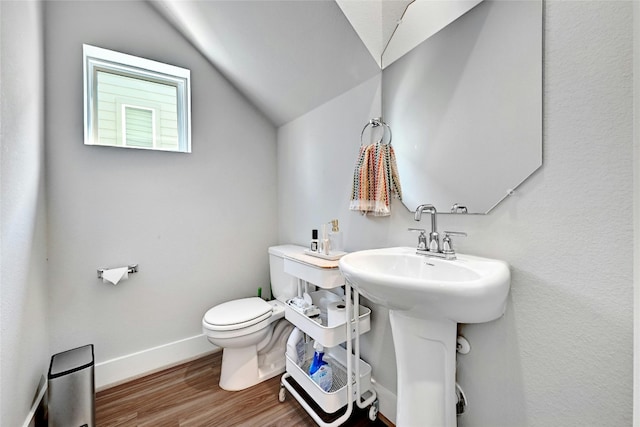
[335,237]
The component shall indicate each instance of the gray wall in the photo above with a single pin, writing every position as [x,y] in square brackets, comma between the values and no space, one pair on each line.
[636,210]
[562,354]
[24,344]
[197,224]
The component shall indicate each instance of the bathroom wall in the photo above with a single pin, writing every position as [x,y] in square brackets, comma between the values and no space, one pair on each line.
[24,314]
[197,224]
[562,354]
[636,215]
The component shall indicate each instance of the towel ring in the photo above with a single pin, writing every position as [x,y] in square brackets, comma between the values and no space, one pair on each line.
[376,122]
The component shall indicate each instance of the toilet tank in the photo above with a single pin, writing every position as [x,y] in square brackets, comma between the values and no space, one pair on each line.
[283,285]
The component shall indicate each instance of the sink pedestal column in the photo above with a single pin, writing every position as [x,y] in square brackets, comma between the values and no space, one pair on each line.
[426,363]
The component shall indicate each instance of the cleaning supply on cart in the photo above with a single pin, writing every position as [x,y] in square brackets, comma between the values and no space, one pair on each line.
[323,377]
[320,371]
[317,358]
[296,347]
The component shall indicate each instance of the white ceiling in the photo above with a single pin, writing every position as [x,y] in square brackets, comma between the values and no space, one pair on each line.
[291,56]
[286,57]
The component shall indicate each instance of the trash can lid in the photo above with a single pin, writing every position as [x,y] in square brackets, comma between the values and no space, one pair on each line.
[70,361]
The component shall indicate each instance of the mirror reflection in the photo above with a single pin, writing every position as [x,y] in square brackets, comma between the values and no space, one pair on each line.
[420,20]
[465,107]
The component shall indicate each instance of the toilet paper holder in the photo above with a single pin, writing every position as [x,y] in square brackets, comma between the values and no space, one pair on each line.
[132,268]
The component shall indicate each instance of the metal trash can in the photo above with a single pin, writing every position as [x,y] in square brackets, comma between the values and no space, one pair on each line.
[71,388]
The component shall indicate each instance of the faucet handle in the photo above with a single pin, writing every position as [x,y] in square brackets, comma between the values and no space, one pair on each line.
[422,238]
[458,209]
[447,246]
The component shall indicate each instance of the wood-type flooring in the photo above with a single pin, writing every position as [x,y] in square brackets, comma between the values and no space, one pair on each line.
[188,395]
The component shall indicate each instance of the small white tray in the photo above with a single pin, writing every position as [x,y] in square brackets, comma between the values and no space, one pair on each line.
[337,396]
[333,256]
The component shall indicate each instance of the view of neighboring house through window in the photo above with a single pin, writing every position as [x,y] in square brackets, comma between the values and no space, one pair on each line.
[136,113]
[135,103]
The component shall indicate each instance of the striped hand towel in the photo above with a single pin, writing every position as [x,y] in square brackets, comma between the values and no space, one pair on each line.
[375,180]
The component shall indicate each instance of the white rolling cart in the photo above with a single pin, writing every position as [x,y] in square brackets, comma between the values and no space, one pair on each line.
[333,407]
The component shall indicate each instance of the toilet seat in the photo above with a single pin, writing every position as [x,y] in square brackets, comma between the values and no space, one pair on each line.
[237,314]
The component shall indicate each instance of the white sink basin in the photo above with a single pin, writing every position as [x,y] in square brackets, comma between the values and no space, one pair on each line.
[469,289]
[427,297]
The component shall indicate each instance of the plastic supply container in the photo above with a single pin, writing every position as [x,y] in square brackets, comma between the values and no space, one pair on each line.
[71,388]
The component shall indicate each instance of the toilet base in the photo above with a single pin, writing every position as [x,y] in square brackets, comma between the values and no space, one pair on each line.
[240,369]
[247,366]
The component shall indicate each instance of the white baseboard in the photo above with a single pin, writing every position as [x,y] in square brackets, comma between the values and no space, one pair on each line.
[125,368]
[387,401]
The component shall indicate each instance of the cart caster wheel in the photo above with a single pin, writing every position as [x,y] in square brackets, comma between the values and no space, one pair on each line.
[282,394]
[373,411]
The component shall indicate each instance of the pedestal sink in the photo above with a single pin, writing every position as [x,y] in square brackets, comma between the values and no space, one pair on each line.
[427,297]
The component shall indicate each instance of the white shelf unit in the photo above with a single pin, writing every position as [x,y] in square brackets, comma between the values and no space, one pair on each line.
[327,405]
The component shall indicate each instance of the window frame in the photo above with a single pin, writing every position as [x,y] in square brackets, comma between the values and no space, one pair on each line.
[97,59]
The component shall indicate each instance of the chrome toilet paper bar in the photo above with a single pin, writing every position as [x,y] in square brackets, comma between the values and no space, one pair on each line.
[132,268]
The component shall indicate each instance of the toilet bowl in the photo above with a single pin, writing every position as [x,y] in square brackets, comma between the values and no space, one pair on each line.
[252,332]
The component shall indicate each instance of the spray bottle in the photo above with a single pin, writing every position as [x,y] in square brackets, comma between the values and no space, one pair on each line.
[320,371]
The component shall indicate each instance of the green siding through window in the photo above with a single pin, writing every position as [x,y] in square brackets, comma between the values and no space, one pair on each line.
[141,96]
[139,127]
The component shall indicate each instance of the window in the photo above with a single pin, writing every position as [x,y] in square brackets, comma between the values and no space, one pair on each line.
[133,102]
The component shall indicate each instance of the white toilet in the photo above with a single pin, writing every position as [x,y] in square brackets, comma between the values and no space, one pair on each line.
[252,332]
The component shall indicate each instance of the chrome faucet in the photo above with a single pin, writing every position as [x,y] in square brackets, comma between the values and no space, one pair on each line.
[434,238]
[447,244]
[431,246]
[422,238]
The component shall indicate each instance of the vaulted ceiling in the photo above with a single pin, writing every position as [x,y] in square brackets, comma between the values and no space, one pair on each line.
[286,57]
[291,56]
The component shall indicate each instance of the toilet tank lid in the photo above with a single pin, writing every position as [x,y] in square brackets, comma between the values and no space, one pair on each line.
[238,312]
[283,250]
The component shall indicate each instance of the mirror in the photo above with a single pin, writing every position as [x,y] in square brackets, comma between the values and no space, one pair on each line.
[388,31]
[465,107]
[420,20]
